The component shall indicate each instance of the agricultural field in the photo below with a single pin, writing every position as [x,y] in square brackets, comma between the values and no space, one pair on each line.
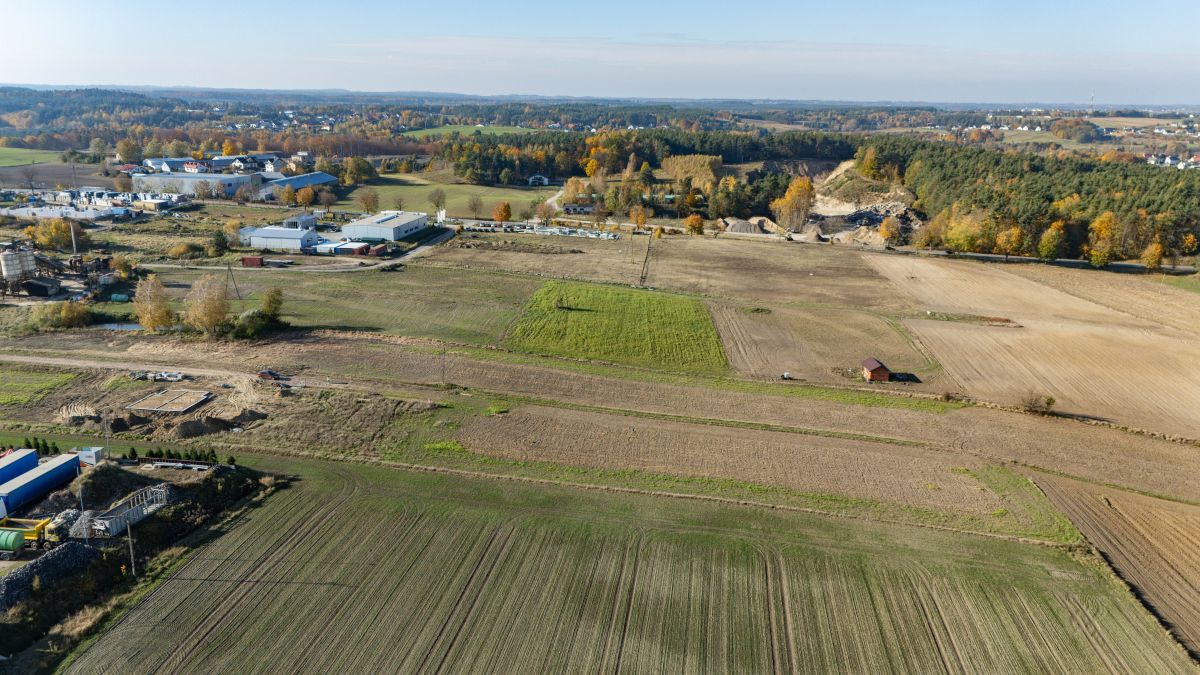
[1095,361]
[466,130]
[619,325]
[414,188]
[1153,544]
[20,386]
[19,156]
[414,301]
[461,574]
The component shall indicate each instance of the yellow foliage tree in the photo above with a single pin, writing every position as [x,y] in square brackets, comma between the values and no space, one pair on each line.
[694,224]
[889,230]
[1100,239]
[1152,257]
[206,304]
[305,196]
[1189,244]
[152,305]
[1050,246]
[791,210]
[56,234]
[229,147]
[1009,242]
[122,265]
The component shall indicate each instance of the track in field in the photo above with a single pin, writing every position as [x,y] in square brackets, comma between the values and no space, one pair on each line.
[366,570]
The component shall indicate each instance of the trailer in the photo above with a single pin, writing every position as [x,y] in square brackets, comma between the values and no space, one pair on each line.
[37,483]
[17,463]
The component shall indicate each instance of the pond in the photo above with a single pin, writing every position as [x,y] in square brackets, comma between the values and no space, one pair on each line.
[120,326]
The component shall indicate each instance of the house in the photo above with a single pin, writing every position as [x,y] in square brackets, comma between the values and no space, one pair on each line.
[197,167]
[245,164]
[538,179]
[279,238]
[875,371]
[577,209]
[386,226]
[274,165]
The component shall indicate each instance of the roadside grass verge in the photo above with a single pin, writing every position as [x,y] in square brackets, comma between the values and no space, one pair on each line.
[608,323]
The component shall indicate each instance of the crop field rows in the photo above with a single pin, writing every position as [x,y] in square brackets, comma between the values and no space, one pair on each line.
[1154,544]
[355,569]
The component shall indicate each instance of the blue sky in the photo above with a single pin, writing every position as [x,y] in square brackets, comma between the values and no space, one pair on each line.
[925,50]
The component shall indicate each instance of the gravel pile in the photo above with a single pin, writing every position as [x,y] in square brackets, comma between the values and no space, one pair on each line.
[53,567]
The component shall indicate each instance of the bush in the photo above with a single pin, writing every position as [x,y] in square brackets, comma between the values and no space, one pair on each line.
[59,315]
[186,250]
[251,324]
[1036,403]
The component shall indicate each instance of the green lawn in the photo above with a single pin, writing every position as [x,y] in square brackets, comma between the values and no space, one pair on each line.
[22,387]
[18,156]
[415,189]
[466,130]
[1190,282]
[621,325]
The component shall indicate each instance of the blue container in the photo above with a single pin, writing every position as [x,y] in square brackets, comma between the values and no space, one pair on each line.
[17,463]
[37,483]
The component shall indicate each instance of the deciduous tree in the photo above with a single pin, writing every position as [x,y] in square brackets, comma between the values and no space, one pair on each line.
[152,305]
[437,197]
[694,224]
[791,210]
[502,213]
[305,196]
[1152,257]
[206,304]
[1009,242]
[1053,241]
[367,199]
[272,302]
[475,205]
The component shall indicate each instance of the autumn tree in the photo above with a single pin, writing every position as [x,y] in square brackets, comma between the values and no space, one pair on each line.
[889,230]
[305,196]
[129,151]
[638,215]
[272,303]
[475,206]
[233,233]
[1100,239]
[152,305]
[123,183]
[229,147]
[791,210]
[123,265]
[694,224]
[206,304]
[203,189]
[1188,244]
[1053,241]
[1009,242]
[57,234]
[398,202]
[286,196]
[437,197]
[1152,257]
[368,200]
[545,212]
[502,213]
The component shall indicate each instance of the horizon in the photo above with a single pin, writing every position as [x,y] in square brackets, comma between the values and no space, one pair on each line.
[932,52]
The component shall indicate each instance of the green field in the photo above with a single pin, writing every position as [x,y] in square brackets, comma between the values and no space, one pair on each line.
[18,156]
[466,130]
[415,189]
[364,569]
[621,325]
[457,305]
[1190,282]
[22,387]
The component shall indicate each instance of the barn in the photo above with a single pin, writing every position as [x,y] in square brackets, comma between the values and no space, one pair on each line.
[875,371]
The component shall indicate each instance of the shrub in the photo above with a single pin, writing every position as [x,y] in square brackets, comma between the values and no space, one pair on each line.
[58,315]
[186,250]
[1036,403]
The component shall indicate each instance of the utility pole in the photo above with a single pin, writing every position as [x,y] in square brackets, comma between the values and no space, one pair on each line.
[443,364]
[132,560]
[86,535]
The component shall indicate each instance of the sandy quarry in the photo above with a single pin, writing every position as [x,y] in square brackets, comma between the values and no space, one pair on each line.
[1095,360]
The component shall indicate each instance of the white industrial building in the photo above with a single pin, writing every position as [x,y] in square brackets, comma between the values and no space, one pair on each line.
[386,226]
[225,184]
[279,238]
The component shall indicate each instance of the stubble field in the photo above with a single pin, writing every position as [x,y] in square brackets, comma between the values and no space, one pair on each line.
[357,569]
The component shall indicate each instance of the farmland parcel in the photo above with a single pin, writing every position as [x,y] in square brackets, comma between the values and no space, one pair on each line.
[362,569]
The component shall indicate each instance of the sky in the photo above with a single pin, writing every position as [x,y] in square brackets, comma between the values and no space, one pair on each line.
[1052,51]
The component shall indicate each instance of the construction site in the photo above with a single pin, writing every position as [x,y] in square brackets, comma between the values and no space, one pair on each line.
[38,277]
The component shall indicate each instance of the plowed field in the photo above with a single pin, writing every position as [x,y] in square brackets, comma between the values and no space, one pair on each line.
[361,570]
[1153,543]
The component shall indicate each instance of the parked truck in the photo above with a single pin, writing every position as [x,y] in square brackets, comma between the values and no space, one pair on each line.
[44,533]
[37,483]
[16,463]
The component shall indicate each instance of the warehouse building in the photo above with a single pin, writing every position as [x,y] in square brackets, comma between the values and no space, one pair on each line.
[185,183]
[386,226]
[278,238]
[310,180]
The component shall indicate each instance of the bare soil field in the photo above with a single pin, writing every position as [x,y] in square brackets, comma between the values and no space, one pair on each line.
[1093,360]
[50,174]
[1146,296]
[455,574]
[1154,545]
[825,345]
[378,364]
[895,478]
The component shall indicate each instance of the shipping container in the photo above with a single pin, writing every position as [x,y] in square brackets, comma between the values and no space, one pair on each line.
[252,261]
[17,463]
[37,483]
